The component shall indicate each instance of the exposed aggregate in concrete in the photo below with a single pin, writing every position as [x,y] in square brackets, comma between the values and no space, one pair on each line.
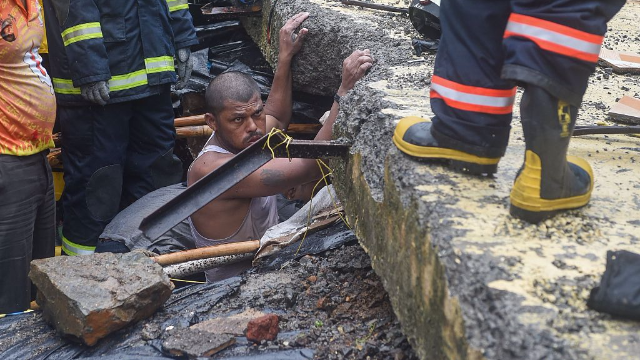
[521,289]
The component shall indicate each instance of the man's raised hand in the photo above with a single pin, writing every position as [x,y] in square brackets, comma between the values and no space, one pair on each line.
[290,42]
[354,68]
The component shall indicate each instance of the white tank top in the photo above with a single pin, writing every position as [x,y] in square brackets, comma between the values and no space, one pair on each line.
[262,214]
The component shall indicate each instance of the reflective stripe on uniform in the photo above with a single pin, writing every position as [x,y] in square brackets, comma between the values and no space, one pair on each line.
[175,5]
[471,98]
[73,249]
[555,37]
[64,86]
[128,81]
[124,81]
[159,64]
[81,32]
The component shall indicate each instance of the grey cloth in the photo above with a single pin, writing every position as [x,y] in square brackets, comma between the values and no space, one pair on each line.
[124,228]
[27,225]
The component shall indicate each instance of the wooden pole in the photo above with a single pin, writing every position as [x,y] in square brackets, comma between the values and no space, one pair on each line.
[208,252]
[196,266]
[189,121]
[193,131]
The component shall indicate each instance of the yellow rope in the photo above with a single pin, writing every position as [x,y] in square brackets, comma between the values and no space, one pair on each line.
[16,313]
[287,140]
[188,281]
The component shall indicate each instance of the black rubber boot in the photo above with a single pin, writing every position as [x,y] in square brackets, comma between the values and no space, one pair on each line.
[413,137]
[549,181]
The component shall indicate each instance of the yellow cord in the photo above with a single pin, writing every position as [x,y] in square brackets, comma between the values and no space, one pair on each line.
[287,140]
[188,281]
[16,313]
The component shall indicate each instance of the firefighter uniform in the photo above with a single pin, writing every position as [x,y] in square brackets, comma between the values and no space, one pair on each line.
[114,154]
[487,48]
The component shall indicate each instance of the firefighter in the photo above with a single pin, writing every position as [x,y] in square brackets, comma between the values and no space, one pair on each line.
[487,48]
[112,65]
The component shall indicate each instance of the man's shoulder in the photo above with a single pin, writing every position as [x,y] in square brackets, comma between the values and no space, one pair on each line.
[206,163]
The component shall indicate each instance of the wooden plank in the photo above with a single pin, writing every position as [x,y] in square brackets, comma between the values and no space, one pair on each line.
[627,110]
[189,121]
[621,62]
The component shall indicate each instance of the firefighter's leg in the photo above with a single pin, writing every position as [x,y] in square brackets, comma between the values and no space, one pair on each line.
[94,144]
[551,48]
[150,160]
[471,103]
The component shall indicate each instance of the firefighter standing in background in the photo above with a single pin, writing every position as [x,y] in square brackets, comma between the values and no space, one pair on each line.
[548,47]
[112,63]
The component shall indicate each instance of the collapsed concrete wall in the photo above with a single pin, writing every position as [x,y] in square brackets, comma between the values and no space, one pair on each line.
[466,280]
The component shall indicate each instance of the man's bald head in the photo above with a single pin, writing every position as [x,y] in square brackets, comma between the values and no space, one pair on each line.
[232,85]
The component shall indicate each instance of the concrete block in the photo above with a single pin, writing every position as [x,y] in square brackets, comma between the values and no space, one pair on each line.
[196,343]
[89,297]
[466,280]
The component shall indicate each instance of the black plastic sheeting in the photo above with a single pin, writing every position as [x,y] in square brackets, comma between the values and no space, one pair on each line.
[315,243]
[31,338]
[619,290]
[28,336]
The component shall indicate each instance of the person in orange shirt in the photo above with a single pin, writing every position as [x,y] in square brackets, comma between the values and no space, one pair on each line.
[27,115]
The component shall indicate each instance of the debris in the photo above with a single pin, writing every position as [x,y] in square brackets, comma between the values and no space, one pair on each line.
[230,325]
[425,18]
[375,6]
[263,328]
[627,110]
[196,343]
[420,46]
[619,290]
[89,297]
[621,62]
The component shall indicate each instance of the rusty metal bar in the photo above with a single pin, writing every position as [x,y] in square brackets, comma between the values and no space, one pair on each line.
[375,6]
[230,173]
[596,130]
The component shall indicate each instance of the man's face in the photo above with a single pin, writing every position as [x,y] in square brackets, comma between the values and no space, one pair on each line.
[240,124]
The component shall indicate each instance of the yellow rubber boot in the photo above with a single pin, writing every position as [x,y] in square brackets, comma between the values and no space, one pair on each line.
[549,181]
[413,137]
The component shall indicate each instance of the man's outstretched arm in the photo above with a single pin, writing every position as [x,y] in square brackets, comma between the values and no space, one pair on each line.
[279,104]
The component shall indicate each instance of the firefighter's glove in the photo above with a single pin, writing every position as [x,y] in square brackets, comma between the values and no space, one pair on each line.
[185,65]
[97,92]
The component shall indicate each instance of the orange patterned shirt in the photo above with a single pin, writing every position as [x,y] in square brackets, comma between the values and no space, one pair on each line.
[27,101]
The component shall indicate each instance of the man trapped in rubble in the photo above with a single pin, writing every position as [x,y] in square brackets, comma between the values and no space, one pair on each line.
[548,47]
[238,118]
[27,114]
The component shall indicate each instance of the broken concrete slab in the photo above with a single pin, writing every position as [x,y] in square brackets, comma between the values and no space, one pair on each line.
[196,343]
[466,280]
[627,110]
[235,324]
[620,61]
[89,297]
[263,328]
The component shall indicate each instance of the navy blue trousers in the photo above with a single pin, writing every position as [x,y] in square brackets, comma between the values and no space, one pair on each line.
[113,155]
[488,47]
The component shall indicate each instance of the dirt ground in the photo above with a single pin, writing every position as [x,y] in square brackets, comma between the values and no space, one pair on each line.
[332,303]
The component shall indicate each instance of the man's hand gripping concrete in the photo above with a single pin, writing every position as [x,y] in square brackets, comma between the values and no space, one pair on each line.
[354,68]
[290,42]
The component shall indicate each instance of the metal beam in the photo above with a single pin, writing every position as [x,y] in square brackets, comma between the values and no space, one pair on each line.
[229,174]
